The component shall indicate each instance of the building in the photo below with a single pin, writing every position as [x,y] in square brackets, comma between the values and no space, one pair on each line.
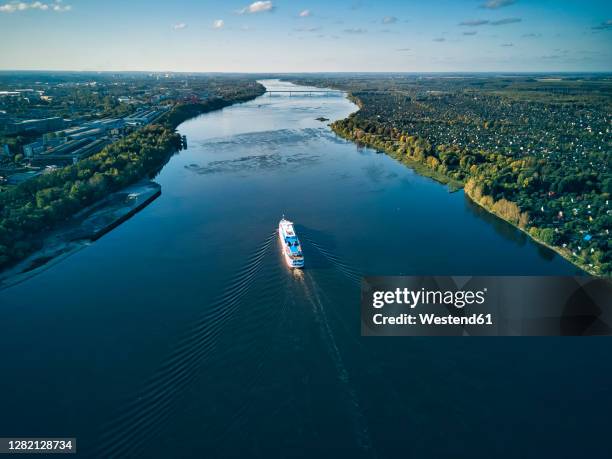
[73,144]
[36,148]
[40,126]
[94,128]
[69,152]
[144,116]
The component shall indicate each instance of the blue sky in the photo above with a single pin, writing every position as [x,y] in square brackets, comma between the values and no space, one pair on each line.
[307,36]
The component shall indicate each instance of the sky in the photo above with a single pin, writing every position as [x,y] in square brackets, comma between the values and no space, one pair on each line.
[307,36]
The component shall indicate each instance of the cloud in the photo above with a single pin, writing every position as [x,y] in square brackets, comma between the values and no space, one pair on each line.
[403,49]
[481,22]
[307,29]
[604,25]
[532,35]
[389,20]
[495,4]
[59,7]
[439,39]
[257,7]
[179,26]
[474,22]
[218,24]
[304,13]
[507,45]
[470,32]
[355,30]
[15,6]
[506,21]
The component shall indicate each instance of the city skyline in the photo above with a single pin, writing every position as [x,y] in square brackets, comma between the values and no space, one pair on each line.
[307,36]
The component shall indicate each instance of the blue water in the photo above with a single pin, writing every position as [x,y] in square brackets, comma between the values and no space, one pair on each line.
[182,334]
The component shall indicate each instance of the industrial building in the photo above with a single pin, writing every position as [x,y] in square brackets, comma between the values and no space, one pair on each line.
[39,126]
[145,116]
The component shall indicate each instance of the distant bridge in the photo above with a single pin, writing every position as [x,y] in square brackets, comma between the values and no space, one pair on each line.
[309,92]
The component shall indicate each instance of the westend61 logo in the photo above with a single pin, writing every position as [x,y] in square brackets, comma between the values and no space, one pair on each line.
[412,298]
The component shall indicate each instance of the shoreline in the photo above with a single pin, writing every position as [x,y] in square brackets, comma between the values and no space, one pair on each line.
[454,186]
[555,249]
[419,168]
[89,225]
[102,216]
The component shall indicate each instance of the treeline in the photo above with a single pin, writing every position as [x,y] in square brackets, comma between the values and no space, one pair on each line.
[41,203]
[184,111]
[566,208]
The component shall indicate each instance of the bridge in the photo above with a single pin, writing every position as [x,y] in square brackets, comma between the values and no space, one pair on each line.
[308,92]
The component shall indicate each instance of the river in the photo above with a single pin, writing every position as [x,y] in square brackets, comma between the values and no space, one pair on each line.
[181,332]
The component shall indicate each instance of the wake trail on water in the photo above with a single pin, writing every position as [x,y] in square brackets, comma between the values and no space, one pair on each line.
[143,417]
[348,271]
[313,294]
[244,413]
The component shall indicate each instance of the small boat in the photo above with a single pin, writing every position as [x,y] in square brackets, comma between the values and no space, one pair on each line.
[292,249]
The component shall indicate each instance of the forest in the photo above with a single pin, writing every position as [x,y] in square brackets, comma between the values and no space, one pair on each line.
[40,204]
[535,153]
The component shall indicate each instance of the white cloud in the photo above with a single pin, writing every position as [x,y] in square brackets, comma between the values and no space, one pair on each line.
[304,13]
[495,4]
[218,24]
[257,7]
[179,26]
[474,22]
[506,21]
[355,30]
[57,6]
[389,20]
[307,29]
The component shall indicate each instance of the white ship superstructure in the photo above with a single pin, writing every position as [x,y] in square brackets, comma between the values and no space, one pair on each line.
[292,249]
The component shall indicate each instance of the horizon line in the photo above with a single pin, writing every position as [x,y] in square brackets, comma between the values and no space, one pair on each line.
[517,72]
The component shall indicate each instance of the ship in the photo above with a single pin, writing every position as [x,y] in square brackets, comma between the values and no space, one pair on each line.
[292,249]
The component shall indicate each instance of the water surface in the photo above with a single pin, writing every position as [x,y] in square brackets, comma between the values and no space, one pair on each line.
[181,333]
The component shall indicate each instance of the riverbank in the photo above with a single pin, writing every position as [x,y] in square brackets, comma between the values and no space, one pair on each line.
[421,169]
[392,148]
[86,226]
[39,207]
[559,251]
[185,111]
